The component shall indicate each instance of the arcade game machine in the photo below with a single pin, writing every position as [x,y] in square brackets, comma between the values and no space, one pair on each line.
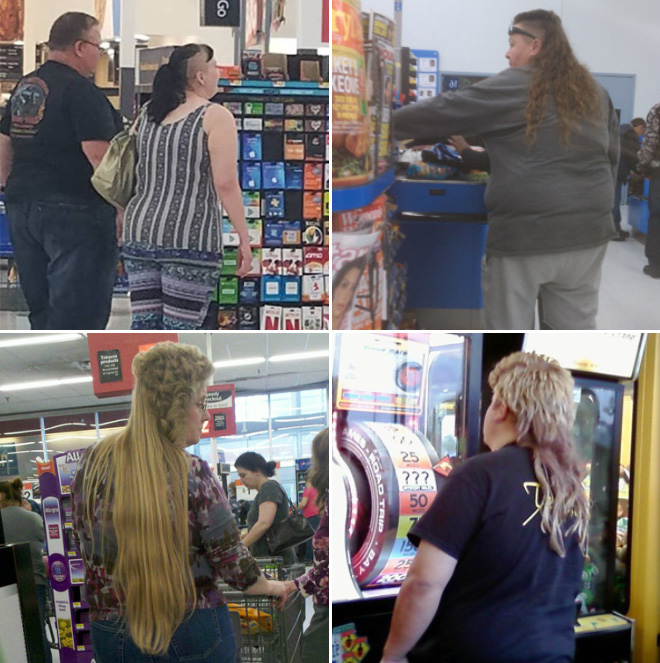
[405,416]
[406,410]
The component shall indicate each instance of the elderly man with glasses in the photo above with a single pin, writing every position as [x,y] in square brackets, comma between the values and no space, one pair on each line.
[55,131]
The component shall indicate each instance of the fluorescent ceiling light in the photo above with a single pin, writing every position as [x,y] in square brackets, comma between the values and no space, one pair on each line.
[28,339]
[247,361]
[43,384]
[15,444]
[301,356]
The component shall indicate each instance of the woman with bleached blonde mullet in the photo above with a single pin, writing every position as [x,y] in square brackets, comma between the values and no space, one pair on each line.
[501,549]
[154,526]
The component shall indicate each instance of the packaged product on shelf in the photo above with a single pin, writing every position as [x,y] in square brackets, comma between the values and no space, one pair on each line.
[227,318]
[315,125]
[228,291]
[229,262]
[273,232]
[315,146]
[294,110]
[313,176]
[274,124]
[371,65]
[271,288]
[312,233]
[326,263]
[294,147]
[292,318]
[230,72]
[291,233]
[255,228]
[291,289]
[312,318]
[239,127]
[234,107]
[251,146]
[314,257]
[313,205]
[252,203]
[274,175]
[248,317]
[292,262]
[326,317]
[271,261]
[294,175]
[351,126]
[326,204]
[326,176]
[326,233]
[255,267]
[253,108]
[274,108]
[251,61]
[251,176]
[274,204]
[275,66]
[383,30]
[315,110]
[363,219]
[248,292]
[271,317]
[253,124]
[294,124]
[313,288]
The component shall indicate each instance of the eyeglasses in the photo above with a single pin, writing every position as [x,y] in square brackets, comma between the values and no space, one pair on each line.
[514,30]
[91,43]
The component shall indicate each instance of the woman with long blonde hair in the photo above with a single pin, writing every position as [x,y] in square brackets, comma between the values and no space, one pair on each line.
[154,526]
[552,136]
[501,549]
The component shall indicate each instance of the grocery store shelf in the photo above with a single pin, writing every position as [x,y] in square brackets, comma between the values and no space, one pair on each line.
[302,88]
[347,199]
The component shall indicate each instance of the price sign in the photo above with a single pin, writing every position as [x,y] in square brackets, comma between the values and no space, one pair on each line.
[223,13]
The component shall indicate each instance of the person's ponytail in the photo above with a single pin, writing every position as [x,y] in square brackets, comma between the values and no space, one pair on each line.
[169,88]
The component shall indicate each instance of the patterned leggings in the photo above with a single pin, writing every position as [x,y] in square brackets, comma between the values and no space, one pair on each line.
[171,288]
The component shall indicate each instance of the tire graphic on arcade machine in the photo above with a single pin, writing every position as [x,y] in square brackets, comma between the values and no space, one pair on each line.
[392,484]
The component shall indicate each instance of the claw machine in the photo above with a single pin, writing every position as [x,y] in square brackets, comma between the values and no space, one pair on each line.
[406,410]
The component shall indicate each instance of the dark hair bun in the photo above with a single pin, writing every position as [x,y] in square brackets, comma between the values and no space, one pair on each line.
[270,468]
[17,484]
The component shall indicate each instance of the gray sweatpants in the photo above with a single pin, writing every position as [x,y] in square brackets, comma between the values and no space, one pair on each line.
[565,285]
[315,640]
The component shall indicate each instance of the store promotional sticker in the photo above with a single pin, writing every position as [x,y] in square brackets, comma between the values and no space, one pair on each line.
[347,645]
[220,404]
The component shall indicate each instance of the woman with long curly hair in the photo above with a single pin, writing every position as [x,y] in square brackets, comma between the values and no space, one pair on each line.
[552,136]
[154,526]
[501,549]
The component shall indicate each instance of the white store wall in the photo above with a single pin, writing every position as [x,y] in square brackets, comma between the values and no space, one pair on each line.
[173,22]
[608,36]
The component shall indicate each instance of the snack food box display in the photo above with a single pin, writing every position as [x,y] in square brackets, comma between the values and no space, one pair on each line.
[284,171]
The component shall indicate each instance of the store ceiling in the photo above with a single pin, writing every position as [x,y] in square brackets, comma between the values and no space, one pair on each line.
[71,359]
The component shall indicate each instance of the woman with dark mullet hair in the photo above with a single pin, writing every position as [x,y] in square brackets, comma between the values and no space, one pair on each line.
[186,166]
[552,136]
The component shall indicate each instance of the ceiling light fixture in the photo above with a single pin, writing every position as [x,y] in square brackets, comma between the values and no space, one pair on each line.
[318,354]
[28,339]
[232,363]
[44,384]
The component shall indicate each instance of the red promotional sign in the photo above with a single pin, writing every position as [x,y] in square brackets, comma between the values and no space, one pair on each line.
[325,22]
[111,357]
[220,404]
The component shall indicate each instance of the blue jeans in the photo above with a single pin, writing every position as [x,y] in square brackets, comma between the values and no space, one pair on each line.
[66,254]
[653,237]
[207,637]
[42,591]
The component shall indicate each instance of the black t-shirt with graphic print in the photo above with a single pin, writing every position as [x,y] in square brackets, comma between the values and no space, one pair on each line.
[50,113]
[511,599]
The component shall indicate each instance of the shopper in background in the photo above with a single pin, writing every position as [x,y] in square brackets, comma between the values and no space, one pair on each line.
[270,506]
[629,138]
[502,546]
[154,526]
[172,238]
[315,583]
[649,166]
[22,526]
[310,510]
[552,137]
[55,130]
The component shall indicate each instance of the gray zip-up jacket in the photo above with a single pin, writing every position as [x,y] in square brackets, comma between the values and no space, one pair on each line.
[544,199]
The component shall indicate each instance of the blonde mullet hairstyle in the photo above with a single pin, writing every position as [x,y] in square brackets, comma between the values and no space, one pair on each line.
[539,392]
[144,472]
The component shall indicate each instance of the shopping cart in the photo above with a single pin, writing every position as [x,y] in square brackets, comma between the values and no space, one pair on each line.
[264,633]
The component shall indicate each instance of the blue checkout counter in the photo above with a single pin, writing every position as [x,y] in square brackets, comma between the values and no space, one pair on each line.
[444,224]
[638,211]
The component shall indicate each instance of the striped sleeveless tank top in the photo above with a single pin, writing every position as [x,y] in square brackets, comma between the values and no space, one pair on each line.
[175,205]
